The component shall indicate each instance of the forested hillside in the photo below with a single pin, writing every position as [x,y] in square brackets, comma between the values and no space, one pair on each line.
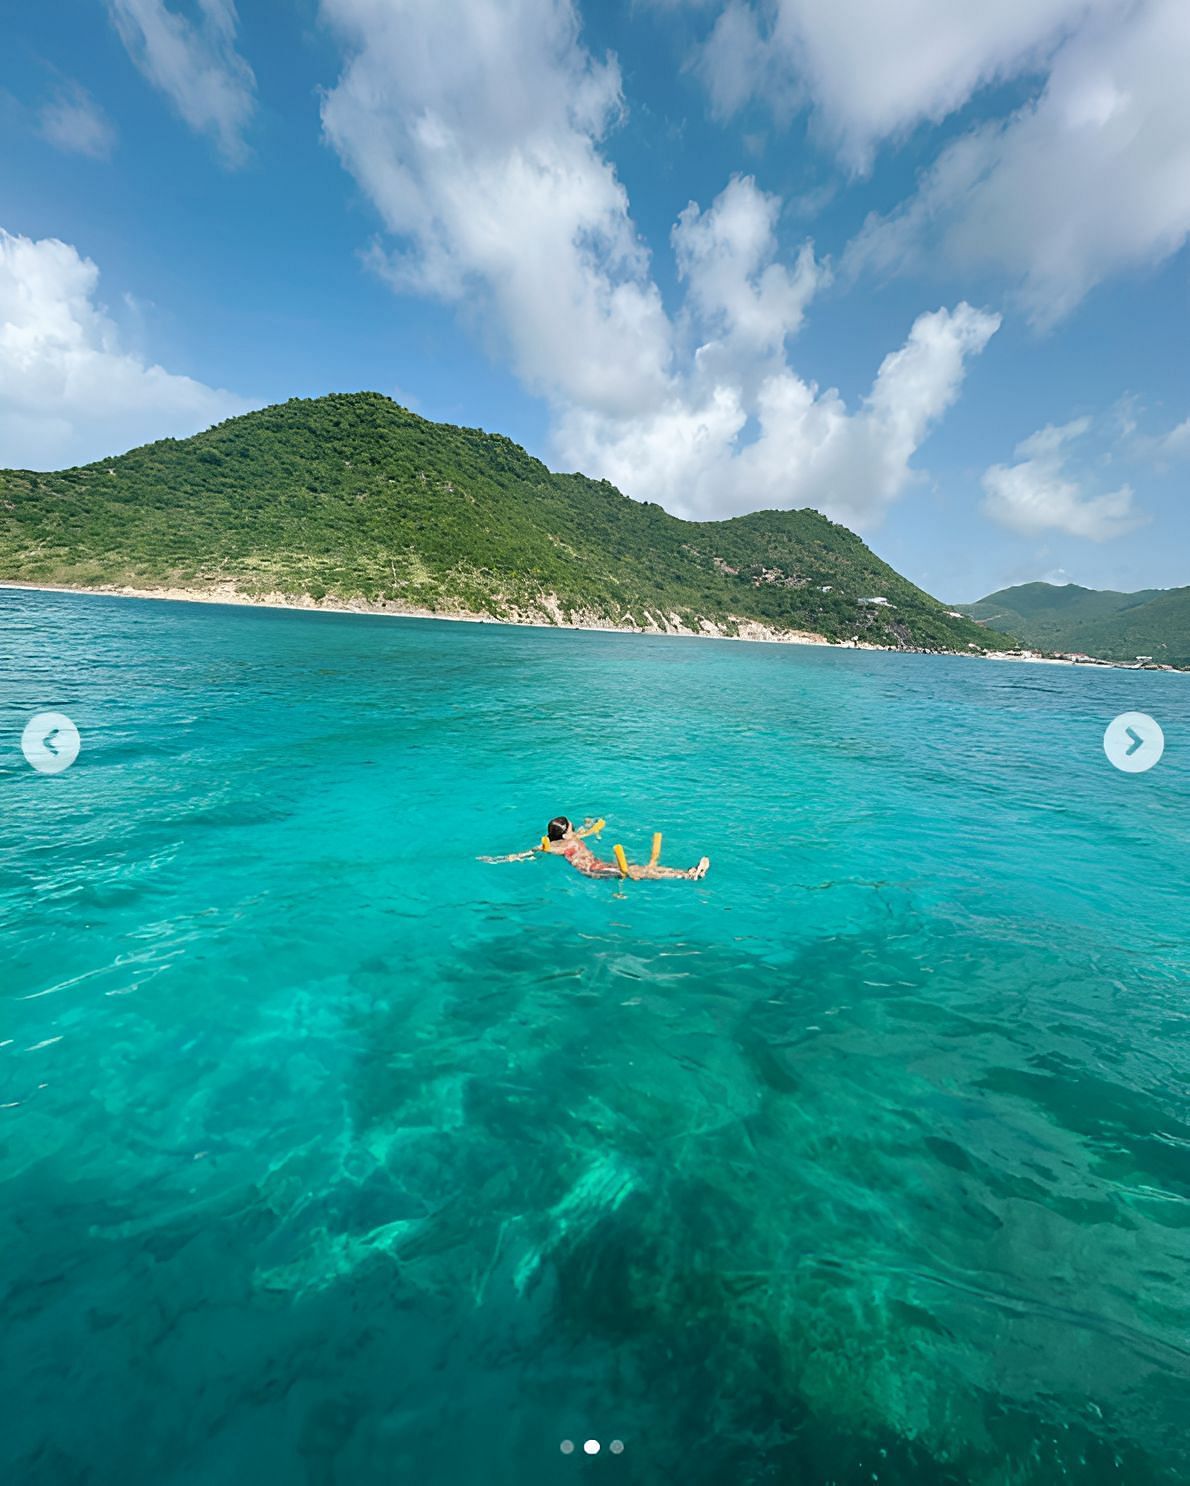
[353,498]
[1114,626]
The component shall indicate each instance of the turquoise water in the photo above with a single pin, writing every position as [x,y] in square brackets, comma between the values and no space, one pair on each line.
[330,1155]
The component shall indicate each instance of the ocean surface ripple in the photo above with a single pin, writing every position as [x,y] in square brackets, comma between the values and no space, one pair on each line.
[331,1155]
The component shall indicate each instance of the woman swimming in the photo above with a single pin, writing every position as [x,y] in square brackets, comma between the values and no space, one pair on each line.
[564,839]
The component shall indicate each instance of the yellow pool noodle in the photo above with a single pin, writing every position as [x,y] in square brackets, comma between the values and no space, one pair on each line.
[545,843]
[655,854]
[599,825]
[621,859]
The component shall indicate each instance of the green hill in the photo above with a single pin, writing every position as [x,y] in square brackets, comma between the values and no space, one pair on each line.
[1112,626]
[352,498]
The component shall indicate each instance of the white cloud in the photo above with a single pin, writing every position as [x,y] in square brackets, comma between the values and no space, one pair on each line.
[476,128]
[196,65]
[1175,444]
[1158,450]
[727,257]
[691,454]
[738,63]
[1090,179]
[74,122]
[473,125]
[1039,494]
[69,392]
[873,70]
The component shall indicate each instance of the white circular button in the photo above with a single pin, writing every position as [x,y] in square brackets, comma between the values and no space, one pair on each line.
[50,742]
[591,1447]
[1133,742]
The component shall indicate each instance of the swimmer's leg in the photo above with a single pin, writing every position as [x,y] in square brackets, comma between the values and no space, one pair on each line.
[652,873]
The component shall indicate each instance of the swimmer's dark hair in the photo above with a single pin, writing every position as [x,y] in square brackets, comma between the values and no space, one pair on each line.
[557,828]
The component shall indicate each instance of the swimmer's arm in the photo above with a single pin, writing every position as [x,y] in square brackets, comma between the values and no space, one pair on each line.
[516,856]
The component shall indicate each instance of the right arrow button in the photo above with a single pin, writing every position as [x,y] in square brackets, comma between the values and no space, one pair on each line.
[1133,742]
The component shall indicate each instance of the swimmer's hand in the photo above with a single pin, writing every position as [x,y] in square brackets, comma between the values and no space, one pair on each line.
[591,826]
[517,856]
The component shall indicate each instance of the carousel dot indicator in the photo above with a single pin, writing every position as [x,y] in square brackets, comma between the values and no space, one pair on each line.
[591,1447]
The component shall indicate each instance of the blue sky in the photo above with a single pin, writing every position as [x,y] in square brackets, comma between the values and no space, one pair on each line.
[921,265]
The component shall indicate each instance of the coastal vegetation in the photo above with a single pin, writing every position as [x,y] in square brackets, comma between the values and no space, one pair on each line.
[353,499]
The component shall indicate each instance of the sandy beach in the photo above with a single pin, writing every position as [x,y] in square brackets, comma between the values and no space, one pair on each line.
[749,630]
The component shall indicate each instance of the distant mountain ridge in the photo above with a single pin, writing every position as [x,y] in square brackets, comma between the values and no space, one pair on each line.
[354,499]
[1112,626]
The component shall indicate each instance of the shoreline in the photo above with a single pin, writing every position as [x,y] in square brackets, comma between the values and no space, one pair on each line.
[756,631]
[760,633]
